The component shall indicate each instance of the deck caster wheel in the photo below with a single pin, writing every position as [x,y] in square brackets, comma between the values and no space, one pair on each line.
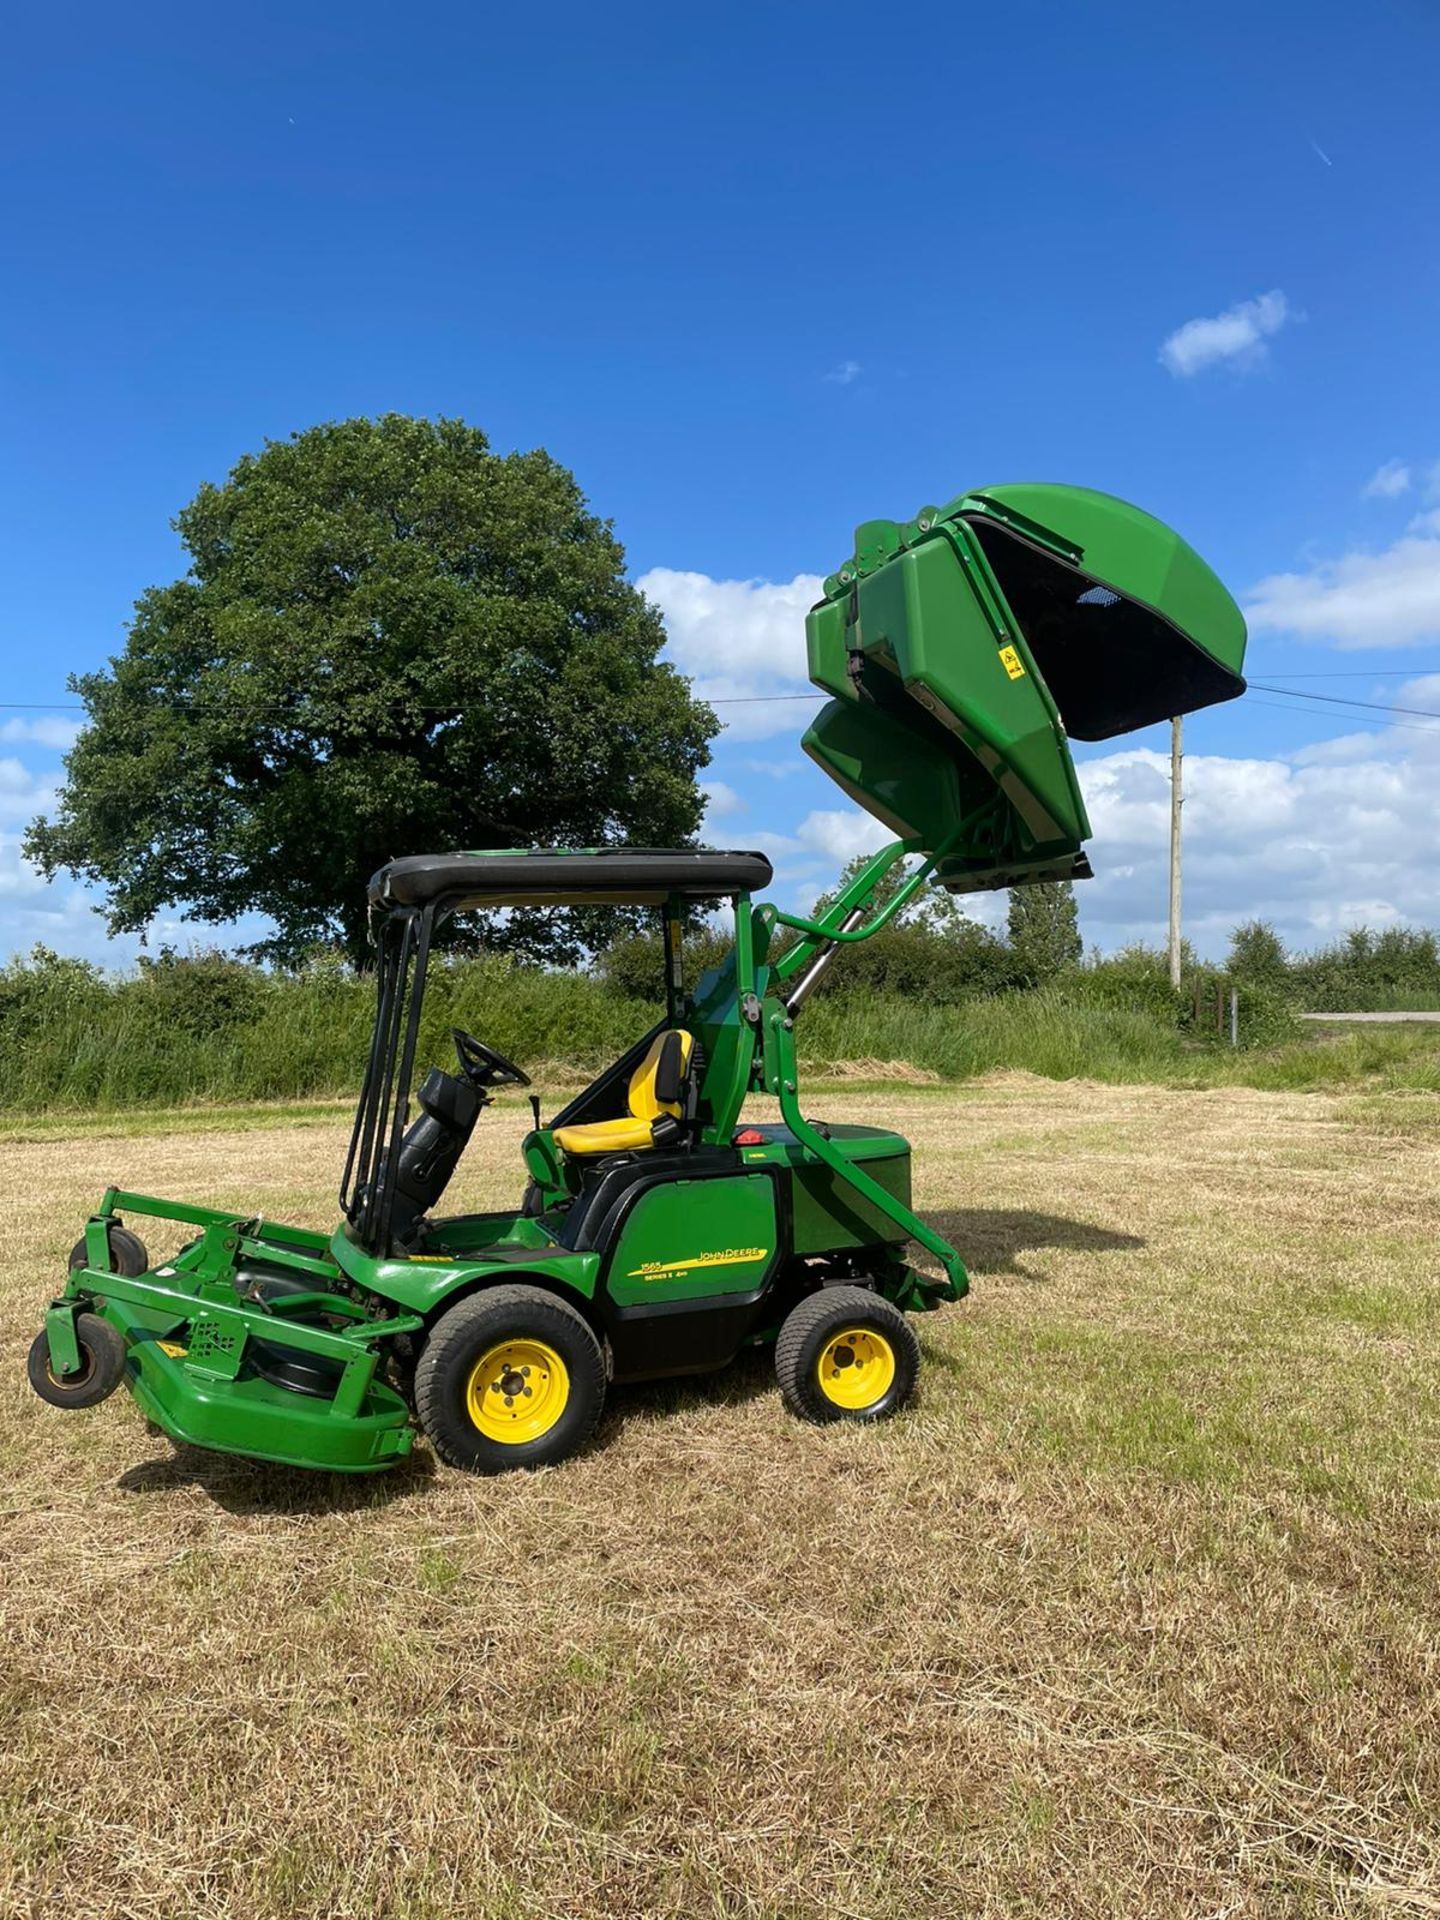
[127,1252]
[846,1354]
[511,1377]
[102,1365]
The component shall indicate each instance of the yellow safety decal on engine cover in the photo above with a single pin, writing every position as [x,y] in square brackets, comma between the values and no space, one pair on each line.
[1012,663]
[169,1346]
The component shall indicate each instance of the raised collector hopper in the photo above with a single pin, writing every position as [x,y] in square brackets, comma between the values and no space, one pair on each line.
[963,648]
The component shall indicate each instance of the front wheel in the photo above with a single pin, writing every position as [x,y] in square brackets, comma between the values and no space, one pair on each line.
[846,1354]
[102,1365]
[511,1377]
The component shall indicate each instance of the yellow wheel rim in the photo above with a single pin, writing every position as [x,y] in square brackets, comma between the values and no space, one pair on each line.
[857,1369]
[517,1391]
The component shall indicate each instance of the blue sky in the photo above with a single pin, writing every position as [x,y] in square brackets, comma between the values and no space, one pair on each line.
[757,274]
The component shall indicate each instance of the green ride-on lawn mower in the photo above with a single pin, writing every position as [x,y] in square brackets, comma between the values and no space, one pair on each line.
[659,1232]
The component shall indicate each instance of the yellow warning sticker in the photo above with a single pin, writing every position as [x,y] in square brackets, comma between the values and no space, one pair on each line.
[1012,663]
[169,1346]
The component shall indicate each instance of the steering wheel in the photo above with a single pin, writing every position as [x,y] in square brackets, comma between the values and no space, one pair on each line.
[482,1065]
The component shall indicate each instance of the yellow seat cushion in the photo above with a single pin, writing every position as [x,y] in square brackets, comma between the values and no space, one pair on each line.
[605,1136]
[636,1129]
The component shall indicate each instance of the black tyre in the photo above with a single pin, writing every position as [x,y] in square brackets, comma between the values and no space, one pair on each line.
[511,1377]
[128,1256]
[102,1355]
[846,1354]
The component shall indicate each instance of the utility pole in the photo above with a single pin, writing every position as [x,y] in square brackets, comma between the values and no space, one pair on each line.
[1175,803]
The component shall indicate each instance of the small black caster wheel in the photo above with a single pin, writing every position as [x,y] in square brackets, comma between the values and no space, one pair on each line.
[102,1365]
[128,1256]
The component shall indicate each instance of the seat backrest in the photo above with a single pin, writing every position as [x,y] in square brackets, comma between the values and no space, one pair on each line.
[658,1082]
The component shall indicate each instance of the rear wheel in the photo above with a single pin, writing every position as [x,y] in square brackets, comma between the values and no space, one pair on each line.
[102,1365]
[128,1256]
[511,1377]
[846,1354]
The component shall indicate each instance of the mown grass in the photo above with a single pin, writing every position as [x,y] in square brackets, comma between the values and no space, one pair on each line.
[1134,1613]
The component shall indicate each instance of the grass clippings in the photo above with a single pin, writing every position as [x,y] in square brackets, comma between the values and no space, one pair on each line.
[1134,1613]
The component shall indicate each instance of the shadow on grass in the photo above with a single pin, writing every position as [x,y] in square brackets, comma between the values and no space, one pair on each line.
[748,1377]
[990,1240]
[246,1487]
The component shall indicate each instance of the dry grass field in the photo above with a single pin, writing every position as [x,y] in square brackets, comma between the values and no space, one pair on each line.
[1136,1612]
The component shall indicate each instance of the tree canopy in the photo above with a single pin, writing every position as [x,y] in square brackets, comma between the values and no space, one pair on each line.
[1257,953]
[390,640]
[1044,929]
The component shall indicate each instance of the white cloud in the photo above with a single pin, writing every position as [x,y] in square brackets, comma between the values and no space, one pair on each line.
[52,913]
[782,769]
[34,910]
[1388,482]
[1237,336]
[738,639]
[1385,599]
[842,832]
[847,372]
[44,731]
[23,794]
[720,800]
[1317,842]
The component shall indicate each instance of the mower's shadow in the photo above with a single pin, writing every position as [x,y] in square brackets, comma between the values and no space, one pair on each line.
[750,1376]
[991,1240]
[250,1487]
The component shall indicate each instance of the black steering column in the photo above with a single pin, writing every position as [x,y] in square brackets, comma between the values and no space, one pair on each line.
[450,1104]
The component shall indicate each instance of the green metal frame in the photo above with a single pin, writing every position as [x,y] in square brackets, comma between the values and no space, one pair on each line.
[364,1425]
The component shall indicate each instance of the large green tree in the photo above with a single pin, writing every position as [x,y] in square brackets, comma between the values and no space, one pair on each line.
[1044,930]
[390,640]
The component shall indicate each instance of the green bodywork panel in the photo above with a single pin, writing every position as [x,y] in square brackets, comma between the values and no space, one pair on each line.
[457,1254]
[827,1214]
[960,647]
[728,1038]
[694,1239]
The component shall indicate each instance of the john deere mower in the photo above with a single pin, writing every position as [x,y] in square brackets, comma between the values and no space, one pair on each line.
[659,1230]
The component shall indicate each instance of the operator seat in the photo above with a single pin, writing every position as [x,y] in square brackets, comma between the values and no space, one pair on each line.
[656,1098]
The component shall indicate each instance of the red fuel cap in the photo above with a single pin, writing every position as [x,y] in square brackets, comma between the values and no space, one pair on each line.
[749,1137]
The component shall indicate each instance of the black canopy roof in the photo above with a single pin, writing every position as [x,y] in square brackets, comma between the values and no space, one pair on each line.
[620,876]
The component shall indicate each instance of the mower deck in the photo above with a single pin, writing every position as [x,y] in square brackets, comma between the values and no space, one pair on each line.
[251,1415]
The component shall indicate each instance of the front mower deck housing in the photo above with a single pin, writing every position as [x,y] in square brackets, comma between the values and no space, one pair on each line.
[658,1231]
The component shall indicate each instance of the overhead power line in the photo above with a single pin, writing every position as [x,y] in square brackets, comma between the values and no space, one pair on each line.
[770,699]
[1400,726]
[1341,700]
[1369,673]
